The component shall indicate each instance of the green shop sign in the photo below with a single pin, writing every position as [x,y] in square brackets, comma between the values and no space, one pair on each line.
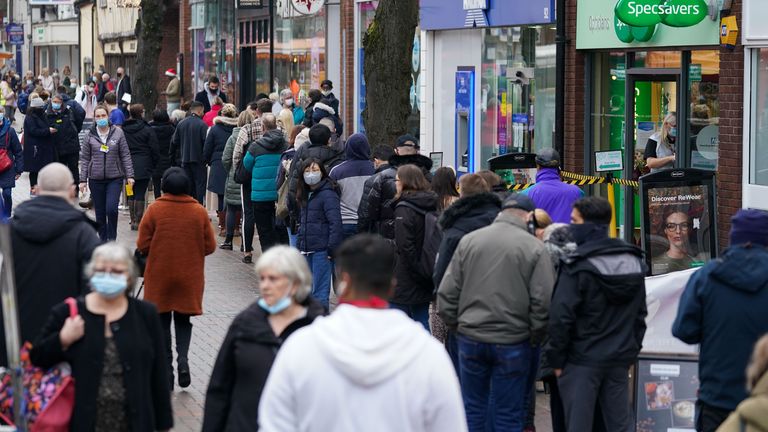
[646,23]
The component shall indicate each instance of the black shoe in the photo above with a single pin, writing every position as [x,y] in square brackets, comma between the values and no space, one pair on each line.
[248,259]
[184,378]
[225,246]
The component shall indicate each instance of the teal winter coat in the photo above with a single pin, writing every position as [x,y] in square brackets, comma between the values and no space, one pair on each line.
[263,160]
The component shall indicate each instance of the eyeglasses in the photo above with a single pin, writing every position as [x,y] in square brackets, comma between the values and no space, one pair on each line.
[671,226]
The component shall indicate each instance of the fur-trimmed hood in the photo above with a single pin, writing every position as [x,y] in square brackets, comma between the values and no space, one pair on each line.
[225,121]
[324,107]
[466,205]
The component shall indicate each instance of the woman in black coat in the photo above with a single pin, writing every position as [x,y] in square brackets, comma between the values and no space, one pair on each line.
[213,150]
[116,350]
[164,130]
[253,339]
[414,291]
[38,140]
[142,143]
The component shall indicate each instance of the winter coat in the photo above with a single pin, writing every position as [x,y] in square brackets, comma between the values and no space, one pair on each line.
[751,412]
[498,285]
[320,220]
[322,111]
[409,239]
[52,241]
[598,311]
[351,175]
[242,367]
[116,163]
[66,139]
[211,115]
[189,138]
[308,111]
[202,97]
[331,101]
[39,148]
[723,308]
[298,115]
[248,134]
[142,142]
[213,150]
[141,348]
[164,133]
[364,224]
[461,218]
[383,191]
[263,160]
[552,195]
[232,193]
[173,280]
[326,155]
[10,142]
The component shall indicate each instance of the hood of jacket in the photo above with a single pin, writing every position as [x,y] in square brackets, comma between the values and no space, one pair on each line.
[272,140]
[357,148]
[750,272]
[46,217]
[426,200]
[164,129]
[133,126]
[369,346]
[470,207]
[616,265]
[225,121]
[547,174]
[323,107]
[421,161]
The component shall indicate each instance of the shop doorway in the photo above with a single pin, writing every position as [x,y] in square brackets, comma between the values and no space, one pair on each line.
[650,94]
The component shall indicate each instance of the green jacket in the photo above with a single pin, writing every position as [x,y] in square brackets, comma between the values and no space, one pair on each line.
[232,194]
[752,412]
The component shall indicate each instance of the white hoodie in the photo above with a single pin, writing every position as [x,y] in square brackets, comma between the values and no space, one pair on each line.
[362,370]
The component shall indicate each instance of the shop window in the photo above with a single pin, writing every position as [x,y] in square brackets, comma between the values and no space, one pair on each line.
[704,120]
[758,150]
[300,53]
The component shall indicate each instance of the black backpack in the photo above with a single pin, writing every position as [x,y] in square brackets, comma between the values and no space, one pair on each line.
[242,174]
[430,245]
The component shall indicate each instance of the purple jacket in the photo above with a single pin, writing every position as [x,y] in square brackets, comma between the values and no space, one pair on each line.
[552,195]
[113,164]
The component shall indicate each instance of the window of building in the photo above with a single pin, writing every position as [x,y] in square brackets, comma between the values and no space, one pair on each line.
[299,58]
[758,147]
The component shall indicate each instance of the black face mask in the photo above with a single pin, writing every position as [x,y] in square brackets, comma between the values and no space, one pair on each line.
[213,90]
[582,233]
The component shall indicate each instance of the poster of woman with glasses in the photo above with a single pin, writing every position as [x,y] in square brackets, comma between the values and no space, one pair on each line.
[680,224]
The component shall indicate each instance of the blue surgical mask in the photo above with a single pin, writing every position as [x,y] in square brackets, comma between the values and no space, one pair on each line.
[109,285]
[102,123]
[278,307]
[56,106]
[313,178]
[673,132]
[2,117]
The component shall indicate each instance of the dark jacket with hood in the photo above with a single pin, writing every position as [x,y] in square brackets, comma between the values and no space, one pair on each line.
[351,176]
[263,159]
[383,191]
[142,143]
[409,239]
[724,308]
[242,367]
[10,142]
[66,138]
[213,150]
[465,215]
[320,220]
[190,138]
[598,310]
[39,149]
[364,223]
[164,132]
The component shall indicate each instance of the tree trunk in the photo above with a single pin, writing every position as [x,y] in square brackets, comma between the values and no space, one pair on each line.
[150,40]
[387,45]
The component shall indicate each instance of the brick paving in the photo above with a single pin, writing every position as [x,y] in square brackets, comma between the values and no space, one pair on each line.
[230,287]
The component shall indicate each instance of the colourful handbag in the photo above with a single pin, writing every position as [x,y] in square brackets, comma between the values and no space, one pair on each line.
[5,162]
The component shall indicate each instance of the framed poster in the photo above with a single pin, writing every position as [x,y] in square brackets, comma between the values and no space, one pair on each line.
[437,160]
[665,394]
[678,219]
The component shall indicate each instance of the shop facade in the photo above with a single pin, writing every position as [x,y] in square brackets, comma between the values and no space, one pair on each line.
[486,79]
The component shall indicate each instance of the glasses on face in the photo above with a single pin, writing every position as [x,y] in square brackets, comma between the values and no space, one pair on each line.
[671,226]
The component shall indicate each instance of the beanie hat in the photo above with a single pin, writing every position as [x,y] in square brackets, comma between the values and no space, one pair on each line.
[37,103]
[750,226]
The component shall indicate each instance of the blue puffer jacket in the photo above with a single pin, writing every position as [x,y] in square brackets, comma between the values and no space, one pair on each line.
[263,160]
[320,220]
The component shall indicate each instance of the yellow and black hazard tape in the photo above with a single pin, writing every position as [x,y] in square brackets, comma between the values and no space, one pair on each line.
[582,180]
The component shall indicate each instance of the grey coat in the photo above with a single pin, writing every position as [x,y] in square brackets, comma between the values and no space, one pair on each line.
[113,164]
[232,194]
[499,284]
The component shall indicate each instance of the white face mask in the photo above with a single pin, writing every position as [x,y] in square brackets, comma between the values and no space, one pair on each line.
[326,92]
[289,102]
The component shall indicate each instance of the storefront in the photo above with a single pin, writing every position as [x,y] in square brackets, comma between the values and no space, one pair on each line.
[644,64]
[487,79]
[212,29]
[755,154]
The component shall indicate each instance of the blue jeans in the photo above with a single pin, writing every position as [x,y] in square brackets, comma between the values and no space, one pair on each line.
[417,312]
[106,197]
[293,238]
[321,268]
[496,372]
[348,230]
[7,203]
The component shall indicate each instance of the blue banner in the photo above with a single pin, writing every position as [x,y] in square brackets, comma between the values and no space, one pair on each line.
[458,14]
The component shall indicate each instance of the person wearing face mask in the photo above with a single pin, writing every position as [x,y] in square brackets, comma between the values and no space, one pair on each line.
[326,89]
[660,151]
[86,98]
[208,95]
[38,140]
[175,222]
[289,103]
[320,226]
[114,346]
[597,321]
[60,117]
[122,89]
[254,338]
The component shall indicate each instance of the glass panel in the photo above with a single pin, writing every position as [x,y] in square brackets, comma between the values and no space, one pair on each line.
[658,59]
[758,170]
[299,53]
[704,118]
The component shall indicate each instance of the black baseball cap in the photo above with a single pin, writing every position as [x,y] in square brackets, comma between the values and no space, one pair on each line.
[518,201]
[407,140]
[548,157]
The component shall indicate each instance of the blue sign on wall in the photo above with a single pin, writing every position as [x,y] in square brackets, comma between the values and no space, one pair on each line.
[15,33]
[458,14]
[464,129]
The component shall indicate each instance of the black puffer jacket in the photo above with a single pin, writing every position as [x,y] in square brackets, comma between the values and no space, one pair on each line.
[164,132]
[142,143]
[66,140]
[242,367]
[382,193]
[461,218]
[409,239]
[364,224]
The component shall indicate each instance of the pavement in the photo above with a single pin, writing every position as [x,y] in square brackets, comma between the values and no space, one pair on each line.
[230,286]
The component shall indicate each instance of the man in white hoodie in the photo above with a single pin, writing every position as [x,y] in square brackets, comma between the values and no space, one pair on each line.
[366,367]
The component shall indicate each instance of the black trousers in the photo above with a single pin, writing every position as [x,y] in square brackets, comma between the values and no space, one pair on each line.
[71,161]
[248,219]
[183,327]
[583,387]
[264,217]
[156,180]
[139,190]
[709,418]
[197,177]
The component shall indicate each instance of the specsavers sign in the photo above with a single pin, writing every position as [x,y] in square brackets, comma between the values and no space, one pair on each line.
[646,23]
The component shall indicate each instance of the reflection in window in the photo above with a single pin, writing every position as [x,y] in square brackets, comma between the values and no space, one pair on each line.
[758,172]
[299,53]
[704,109]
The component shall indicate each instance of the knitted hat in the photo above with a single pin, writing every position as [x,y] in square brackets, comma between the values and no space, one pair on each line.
[750,226]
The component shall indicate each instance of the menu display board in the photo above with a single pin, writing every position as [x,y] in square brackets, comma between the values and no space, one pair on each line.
[665,394]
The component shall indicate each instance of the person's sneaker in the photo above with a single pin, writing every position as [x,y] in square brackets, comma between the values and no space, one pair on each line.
[248,259]
[225,246]
[184,377]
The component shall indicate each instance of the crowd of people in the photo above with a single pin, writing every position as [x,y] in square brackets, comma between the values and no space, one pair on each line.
[453,296]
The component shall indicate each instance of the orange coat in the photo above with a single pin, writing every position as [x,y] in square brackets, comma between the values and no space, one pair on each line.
[176,235]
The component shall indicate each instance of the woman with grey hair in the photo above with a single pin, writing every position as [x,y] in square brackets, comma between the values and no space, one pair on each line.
[253,339]
[115,348]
